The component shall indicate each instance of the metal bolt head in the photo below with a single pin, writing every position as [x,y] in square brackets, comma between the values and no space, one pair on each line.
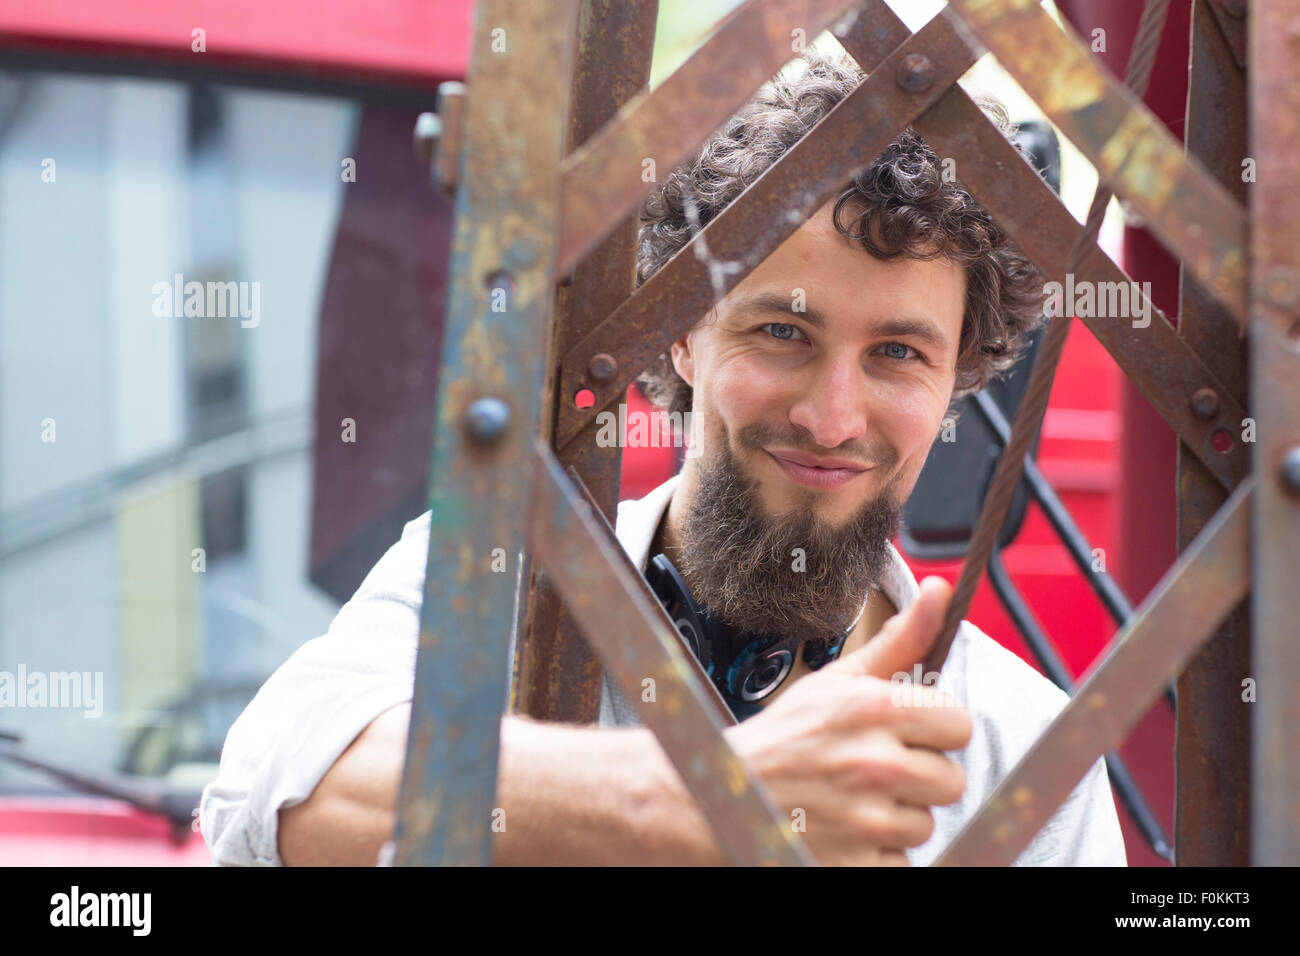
[451,115]
[915,73]
[428,127]
[602,367]
[486,419]
[1205,404]
[1290,472]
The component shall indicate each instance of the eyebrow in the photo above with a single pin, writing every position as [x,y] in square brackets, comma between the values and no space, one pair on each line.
[921,327]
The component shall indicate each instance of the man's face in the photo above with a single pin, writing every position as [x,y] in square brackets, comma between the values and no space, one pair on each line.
[819,387]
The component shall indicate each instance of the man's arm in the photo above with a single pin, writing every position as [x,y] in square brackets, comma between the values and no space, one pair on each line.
[311,770]
[571,795]
[863,770]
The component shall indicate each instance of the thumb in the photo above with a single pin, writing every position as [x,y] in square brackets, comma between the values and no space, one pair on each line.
[906,638]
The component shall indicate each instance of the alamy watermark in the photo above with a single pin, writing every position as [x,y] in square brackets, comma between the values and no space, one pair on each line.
[1100,300]
[638,429]
[132,911]
[53,690]
[177,298]
[909,689]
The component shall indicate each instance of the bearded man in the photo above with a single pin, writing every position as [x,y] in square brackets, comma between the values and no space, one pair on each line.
[815,389]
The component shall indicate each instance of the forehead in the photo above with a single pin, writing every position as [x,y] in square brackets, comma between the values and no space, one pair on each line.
[840,276]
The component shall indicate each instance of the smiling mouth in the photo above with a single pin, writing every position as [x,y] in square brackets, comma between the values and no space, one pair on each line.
[810,476]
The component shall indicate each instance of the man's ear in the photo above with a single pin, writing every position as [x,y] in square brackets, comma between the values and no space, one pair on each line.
[683,358]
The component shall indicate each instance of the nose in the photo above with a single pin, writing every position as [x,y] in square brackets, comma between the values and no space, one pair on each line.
[833,406]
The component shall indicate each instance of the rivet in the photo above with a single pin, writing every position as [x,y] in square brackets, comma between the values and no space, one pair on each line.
[1291,471]
[602,366]
[428,127]
[1205,404]
[915,73]
[486,419]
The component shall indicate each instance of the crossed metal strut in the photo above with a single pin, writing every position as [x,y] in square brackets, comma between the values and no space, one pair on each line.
[549,161]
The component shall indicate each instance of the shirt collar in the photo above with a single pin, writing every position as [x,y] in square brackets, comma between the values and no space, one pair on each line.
[638,520]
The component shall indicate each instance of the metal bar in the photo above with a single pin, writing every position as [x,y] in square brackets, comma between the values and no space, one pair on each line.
[1164,367]
[494,345]
[1203,585]
[1195,217]
[1040,644]
[558,676]
[644,653]
[1169,373]
[1212,740]
[1231,17]
[607,177]
[1033,404]
[1274,124]
[846,140]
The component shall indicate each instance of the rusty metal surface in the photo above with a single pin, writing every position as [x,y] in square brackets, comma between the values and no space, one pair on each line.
[1212,740]
[1166,369]
[1033,405]
[606,178]
[558,677]
[1207,581]
[1274,123]
[847,139]
[1195,217]
[638,643]
[1231,17]
[488,414]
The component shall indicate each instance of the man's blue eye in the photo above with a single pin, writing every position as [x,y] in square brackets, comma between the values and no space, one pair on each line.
[897,350]
[782,330]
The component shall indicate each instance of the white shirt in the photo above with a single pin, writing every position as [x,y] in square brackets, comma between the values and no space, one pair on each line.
[331,688]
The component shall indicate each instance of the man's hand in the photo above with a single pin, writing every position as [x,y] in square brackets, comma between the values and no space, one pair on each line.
[863,767]
[861,759]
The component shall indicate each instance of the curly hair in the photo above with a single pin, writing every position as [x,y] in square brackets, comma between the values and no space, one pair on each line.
[898,205]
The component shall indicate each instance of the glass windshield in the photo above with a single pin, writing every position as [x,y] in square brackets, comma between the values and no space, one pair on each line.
[164,253]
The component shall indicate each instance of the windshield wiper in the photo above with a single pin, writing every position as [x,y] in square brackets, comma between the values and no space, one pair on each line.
[176,804]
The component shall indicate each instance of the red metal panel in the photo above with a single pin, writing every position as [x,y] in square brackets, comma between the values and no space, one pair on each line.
[91,831]
[408,42]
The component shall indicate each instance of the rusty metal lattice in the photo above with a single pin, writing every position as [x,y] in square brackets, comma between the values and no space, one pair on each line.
[542,306]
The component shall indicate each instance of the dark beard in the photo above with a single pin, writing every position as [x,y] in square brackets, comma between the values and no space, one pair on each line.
[738,561]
